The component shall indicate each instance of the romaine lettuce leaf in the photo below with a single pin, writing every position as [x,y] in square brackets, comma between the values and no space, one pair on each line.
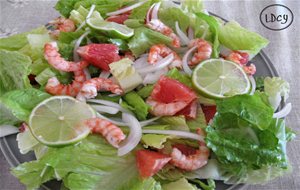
[21,102]
[146,91]
[14,71]
[199,122]
[140,108]
[250,108]
[141,12]
[276,89]
[179,185]
[192,6]
[172,15]
[235,37]
[95,166]
[144,38]
[18,41]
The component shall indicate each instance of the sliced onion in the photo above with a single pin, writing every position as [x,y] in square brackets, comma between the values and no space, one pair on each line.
[205,12]
[105,109]
[149,121]
[148,19]
[159,65]
[284,111]
[176,133]
[8,130]
[88,16]
[134,136]
[77,44]
[224,51]
[253,85]
[104,74]
[185,58]
[141,62]
[154,14]
[152,78]
[119,123]
[183,38]
[109,103]
[190,33]
[126,9]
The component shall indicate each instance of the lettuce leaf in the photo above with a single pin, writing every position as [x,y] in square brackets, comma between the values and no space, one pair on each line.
[171,15]
[155,141]
[235,37]
[140,108]
[179,185]
[181,77]
[175,122]
[199,122]
[14,71]
[95,166]
[144,38]
[18,41]
[276,88]
[250,108]
[192,6]
[146,91]
[21,102]
[141,12]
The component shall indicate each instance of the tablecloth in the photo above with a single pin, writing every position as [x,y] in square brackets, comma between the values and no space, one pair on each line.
[284,51]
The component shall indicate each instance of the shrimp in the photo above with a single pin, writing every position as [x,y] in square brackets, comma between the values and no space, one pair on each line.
[204,51]
[54,87]
[160,27]
[129,55]
[192,161]
[161,50]
[62,25]
[90,88]
[54,58]
[242,59]
[163,109]
[113,134]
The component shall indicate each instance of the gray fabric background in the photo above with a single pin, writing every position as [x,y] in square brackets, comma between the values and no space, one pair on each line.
[284,51]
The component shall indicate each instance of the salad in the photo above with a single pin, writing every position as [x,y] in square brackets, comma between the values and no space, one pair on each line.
[151,95]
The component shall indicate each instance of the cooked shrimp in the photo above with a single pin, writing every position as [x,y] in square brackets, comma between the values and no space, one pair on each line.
[193,161]
[242,59]
[163,109]
[238,57]
[129,55]
[162,50]
[113,134]
[54,58]
[204,51]
[54,87]
[90,88]
[160,27]
[62,25]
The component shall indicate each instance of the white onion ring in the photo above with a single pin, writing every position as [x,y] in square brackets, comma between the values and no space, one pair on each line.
[88,16]
[105,109]
[141,62]
[284,111]
[109,103]
[152,78]
[154,14]
[176,133]
[183,38]
[159,65]
[126,9]
[134,136]
[118,123]
[77,44]
[149,121]
[190,33]
[104,74]
[148,19]
[253,85]
[224,51]
[185,64]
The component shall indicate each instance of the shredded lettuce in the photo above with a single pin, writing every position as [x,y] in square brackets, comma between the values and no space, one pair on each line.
[235,37]
[140,108]
[276,89]
[144,38]
[14,71]
[21,102]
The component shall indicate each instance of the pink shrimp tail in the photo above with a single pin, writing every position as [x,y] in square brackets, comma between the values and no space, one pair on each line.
[113,134]
[204,51]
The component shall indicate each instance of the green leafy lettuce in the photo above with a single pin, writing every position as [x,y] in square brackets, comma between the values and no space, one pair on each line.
[95,166]
[181,77]
[20,103]
[144,38]
[14,71]
[138,105]
[193,6]
[235,37]
[172,15]
[179,185]
[146,91]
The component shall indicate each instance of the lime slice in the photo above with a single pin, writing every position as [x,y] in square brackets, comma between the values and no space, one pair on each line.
[57,121]
[111,28]
[218,78]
